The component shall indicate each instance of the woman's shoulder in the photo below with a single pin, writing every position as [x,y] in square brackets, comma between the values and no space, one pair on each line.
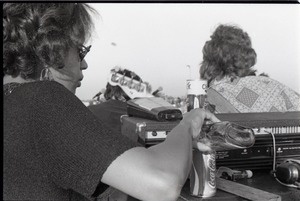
[263,82]
[260,85]
[28,88]
[249,81]
[47,90]
[44,84]
[47,87]
[255,78]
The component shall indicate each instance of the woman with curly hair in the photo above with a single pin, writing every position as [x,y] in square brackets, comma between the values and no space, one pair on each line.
[228,60]
[54,147]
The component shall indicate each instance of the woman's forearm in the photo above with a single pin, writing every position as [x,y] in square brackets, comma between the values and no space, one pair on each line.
[156,173]
[159,172]
[175,153]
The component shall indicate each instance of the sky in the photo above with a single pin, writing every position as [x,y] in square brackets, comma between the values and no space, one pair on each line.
[162,43]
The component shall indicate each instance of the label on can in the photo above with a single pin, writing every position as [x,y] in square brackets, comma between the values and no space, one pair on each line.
[203,175]
[196,87]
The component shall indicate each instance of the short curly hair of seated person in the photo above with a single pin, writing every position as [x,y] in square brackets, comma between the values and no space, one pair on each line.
[228,53]
[39,35]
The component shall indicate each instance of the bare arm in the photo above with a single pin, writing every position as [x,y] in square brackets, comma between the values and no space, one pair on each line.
[159,172]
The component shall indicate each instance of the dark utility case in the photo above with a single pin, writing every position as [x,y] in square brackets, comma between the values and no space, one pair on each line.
[147,132]
[154,108]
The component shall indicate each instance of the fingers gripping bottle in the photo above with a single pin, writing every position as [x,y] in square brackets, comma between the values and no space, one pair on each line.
[203,172]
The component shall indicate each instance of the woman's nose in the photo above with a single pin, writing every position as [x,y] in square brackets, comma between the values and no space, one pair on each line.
[83,65]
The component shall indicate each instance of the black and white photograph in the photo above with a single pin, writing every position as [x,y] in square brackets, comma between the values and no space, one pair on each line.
[151,101]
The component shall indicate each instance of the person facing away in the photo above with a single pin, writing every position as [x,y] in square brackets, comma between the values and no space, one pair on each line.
[54,148]
[233,86]
[116,95]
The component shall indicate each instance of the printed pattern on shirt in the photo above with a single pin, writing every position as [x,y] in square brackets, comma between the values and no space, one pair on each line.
[257,94]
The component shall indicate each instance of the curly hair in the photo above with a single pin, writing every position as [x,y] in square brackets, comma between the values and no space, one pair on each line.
[39,35]
[228,53]
[116,91]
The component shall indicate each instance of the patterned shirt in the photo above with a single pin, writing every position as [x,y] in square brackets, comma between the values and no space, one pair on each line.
[252,94]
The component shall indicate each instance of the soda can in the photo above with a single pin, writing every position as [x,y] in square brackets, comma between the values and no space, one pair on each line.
[203,175]
[196,94]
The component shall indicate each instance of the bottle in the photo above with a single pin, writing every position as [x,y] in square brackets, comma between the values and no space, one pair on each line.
[196,94]
[226,135]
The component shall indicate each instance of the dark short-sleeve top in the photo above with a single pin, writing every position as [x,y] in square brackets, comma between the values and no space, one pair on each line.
[110,112]
[54,147]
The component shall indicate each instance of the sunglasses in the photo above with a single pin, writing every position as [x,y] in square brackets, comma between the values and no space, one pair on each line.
[83,51]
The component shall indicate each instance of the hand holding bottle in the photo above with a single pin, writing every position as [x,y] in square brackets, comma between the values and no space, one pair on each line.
[226,135]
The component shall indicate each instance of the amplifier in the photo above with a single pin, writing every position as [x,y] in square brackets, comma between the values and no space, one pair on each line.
[275,133]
